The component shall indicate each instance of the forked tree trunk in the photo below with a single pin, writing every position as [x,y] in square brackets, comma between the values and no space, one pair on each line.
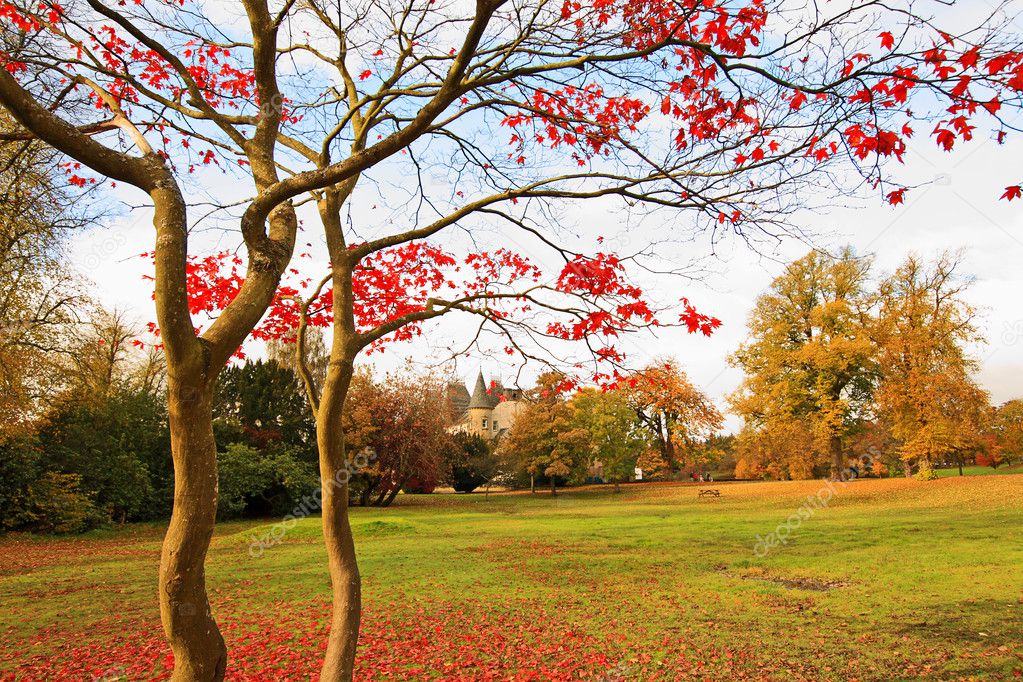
[837,459]
[379,500]
[346,585]
[199,650]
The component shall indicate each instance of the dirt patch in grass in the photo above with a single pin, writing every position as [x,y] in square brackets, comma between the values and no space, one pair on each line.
[811,584]
[792,583]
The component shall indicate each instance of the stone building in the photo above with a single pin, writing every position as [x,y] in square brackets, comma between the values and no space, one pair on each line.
[488,411]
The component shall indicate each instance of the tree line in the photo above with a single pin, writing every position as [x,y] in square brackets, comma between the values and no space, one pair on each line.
[653,419]
[847,370]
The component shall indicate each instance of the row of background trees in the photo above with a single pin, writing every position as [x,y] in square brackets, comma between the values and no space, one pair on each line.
[86,436]
[839,367]
[844,367]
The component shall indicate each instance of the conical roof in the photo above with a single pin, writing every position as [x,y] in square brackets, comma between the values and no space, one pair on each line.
[480,398]
[458,396]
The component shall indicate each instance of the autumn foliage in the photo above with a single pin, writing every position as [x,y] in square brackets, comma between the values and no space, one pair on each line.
[731,110]
[844,368]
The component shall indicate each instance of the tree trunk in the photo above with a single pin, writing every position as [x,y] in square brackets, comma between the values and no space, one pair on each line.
[669,453]
[199,650]
[346,585]
[618,486]
[532,484]
[907,469]
[837,459]
[554,486]
[390,498]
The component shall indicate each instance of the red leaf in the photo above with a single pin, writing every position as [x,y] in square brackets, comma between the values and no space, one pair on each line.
[897,197]
[1013,192]
[946,139]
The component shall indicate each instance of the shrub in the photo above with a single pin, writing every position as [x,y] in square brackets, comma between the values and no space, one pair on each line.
[54,503]
[469,462]
[926,472]
[261,483]
[420,485]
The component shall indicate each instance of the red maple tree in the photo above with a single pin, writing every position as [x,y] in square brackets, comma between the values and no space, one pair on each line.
[732,110]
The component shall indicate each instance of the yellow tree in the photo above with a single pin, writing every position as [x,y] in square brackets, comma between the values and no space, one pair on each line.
[40,299]
[671,408]
[809,358]
[778,449]
[1008,429]
[927,391]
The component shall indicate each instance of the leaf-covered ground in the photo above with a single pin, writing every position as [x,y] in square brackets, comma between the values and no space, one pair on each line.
[890,579]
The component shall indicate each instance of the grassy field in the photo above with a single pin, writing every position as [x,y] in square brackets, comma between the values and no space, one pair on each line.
[982,471]
[876,580]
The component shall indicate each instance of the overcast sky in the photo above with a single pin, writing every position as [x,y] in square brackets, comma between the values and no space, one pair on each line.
[956,207]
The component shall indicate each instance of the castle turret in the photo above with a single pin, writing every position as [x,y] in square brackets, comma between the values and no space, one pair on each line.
[481,407]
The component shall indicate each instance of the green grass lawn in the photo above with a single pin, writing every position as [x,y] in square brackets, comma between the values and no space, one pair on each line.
[891,579]
[982,471]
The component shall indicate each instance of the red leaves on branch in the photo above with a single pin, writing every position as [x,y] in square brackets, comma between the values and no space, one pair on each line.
[601,277]
[213,281]
[1013,192]
[697,322]
[400,286]
[865,140]
[583,118]
[705,107]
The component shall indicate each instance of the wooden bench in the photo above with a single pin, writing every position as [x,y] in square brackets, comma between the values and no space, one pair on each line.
[712,492]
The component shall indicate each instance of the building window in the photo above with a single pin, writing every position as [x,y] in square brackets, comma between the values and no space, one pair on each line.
[484,422]
[495,425]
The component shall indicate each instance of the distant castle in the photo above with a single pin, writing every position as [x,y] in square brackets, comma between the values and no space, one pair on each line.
[486,412]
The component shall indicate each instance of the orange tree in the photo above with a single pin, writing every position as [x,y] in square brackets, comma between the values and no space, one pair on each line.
[927,391]
[672,410]
[1007,427]
[725,108]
